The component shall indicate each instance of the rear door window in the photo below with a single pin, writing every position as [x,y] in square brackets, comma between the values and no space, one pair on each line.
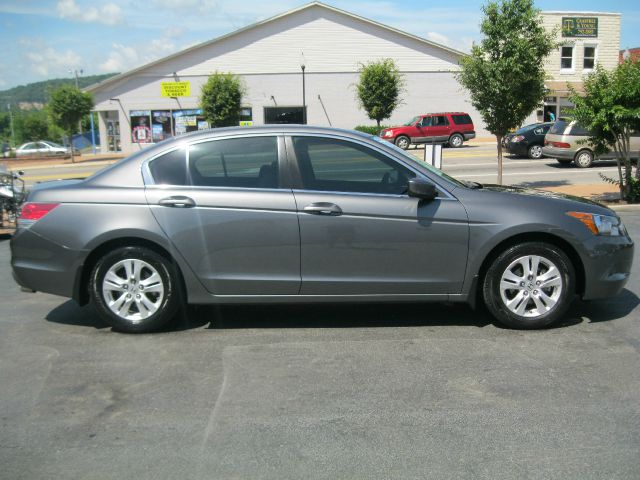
[461,119]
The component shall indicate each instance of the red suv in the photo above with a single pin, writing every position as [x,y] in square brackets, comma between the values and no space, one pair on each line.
[452,128]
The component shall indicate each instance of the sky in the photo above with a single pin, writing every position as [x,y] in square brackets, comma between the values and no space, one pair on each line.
[47,39]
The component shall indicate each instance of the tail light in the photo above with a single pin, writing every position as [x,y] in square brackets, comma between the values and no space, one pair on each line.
[32,212]
[517,138]
[561,144]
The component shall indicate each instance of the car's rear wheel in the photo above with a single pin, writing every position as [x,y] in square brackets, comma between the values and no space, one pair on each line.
[583,159]
[535,152]
[456,140]
[135,289]
[403,142]
[529,285]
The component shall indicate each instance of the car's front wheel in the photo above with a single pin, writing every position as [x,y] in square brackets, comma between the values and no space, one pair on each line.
[529,285]
[403,142]
[135,289]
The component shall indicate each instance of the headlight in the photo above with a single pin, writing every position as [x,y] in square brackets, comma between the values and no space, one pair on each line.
[600,224]
[388,133]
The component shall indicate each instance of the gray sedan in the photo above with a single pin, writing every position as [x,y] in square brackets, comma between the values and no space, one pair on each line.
[309,214]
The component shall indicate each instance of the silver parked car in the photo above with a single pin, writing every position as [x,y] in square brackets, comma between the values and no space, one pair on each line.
[309,214]
[567,141]
[42,149]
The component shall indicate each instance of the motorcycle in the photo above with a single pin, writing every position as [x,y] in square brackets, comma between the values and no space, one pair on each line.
[12,195]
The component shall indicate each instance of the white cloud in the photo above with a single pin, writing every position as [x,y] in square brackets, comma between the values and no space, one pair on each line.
[123,58]
[109,13]
[46,61]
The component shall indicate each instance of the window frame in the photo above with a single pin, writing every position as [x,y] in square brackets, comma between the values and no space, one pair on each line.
[595,56]
[283,177]
[572,69]
[297,185]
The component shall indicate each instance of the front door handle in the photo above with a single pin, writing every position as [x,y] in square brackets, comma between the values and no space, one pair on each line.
[178,201]
[323,208]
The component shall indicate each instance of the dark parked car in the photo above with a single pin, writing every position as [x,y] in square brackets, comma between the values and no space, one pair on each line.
[527,141]
[451,128]
[308,214]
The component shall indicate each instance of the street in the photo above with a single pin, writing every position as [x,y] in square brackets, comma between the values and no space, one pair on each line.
[332,391]
[476,162]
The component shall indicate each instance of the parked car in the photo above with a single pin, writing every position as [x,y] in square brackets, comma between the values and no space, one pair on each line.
[567,142]
[43,148]
[451,128]
[308,214]
[528,140]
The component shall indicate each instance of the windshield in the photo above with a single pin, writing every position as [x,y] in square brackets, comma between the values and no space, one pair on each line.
[422,163]
[526,128]
[411,122]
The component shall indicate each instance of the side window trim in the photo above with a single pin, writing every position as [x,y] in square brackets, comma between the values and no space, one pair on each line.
[297,185]
[284,179]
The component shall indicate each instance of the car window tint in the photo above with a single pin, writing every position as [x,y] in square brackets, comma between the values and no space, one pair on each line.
[426,122]
[439,121]
[559,127]
[579,130]
[340,166]
[461,119]
[250,162]
[170,168]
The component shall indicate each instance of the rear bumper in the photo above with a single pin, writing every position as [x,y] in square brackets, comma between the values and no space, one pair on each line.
[44,266]
[562,153]
[517,148]
[469,135]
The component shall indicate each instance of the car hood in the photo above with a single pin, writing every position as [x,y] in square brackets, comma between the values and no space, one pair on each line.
[539,193]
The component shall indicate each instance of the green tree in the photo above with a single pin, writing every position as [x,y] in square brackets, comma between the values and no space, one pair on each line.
[379,89]
[31,125]
[610,110]
[504,74]
[221,99]
[67,107]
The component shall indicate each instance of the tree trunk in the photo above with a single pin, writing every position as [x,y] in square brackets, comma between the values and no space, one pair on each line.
[378,122]
[499,139]
[71,148]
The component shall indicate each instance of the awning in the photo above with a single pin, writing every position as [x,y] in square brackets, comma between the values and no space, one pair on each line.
[563,87]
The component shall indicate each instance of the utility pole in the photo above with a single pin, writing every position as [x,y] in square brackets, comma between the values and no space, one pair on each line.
[75,72]
[13,141]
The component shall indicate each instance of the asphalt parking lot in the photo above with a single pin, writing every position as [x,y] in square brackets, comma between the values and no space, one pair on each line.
[332,391]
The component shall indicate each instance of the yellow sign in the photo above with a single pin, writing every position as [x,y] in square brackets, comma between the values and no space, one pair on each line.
[175,89]
[246,123]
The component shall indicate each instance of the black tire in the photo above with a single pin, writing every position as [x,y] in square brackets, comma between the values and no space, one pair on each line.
[403,142]
[166,303]
[563,161]
[526,290]
[456,140]
[583,159]
[535,151]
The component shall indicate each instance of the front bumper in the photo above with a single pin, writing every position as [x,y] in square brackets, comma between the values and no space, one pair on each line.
[607,266]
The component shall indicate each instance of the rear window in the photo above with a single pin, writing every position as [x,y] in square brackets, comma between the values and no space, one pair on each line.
[461,119]
[562,127]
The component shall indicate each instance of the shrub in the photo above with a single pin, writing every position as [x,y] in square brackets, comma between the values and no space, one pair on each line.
[370,129]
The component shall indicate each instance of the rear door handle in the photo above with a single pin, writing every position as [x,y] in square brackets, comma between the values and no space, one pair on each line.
[178,201]
[323,208]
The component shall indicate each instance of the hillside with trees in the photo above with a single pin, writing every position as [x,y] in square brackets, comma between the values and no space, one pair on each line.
[35,95]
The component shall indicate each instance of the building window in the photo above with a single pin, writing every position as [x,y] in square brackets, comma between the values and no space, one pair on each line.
[246,114]
[186,121]
[566,58]
[589,57]
[140,130]
[161,125]
[283,115]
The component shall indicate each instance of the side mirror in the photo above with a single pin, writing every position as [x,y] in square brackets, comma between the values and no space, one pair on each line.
[423,189]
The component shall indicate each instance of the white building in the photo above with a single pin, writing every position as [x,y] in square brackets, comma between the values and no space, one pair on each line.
[586,39]
[332,44]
